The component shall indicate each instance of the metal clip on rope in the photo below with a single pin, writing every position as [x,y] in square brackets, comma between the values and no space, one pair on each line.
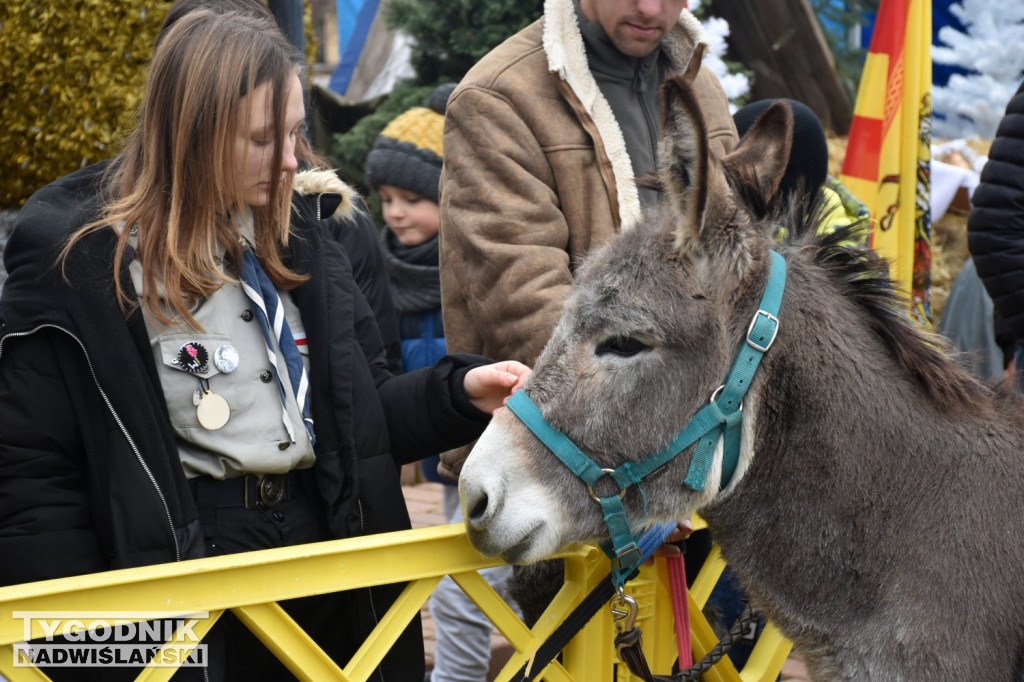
[624,616]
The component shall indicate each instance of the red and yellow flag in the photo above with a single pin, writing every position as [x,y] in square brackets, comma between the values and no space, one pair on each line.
[888,154]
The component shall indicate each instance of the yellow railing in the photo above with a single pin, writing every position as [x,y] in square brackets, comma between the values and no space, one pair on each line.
[251,584]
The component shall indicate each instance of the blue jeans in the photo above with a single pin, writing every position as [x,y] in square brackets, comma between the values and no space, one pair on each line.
[462,650]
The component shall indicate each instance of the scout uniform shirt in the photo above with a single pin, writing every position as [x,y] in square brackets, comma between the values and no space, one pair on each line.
[228,359]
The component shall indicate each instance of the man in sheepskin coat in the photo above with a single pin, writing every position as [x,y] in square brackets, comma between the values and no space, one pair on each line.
[545,140]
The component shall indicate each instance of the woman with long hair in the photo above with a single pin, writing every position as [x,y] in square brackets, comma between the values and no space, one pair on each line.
[187,365]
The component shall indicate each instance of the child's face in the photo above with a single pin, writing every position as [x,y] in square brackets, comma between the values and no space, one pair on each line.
[413,218]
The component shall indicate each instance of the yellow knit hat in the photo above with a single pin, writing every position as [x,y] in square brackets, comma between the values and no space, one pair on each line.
[408,153]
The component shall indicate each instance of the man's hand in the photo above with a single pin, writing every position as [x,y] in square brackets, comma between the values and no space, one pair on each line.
[682,531]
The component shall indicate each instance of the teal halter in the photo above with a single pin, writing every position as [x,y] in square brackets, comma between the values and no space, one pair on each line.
[721,418]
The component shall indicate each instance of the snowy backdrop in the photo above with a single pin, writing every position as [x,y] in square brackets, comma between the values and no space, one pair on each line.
[991,50]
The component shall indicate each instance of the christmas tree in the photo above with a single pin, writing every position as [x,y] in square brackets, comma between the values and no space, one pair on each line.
[992,50]
[447,38]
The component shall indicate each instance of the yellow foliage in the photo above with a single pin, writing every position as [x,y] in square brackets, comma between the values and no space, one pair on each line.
[73,74]
[72,77]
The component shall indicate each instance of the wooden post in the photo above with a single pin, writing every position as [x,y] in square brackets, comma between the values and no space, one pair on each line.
[782,42]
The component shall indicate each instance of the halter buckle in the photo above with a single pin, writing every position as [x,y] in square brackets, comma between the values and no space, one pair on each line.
[770,319]
[627,559]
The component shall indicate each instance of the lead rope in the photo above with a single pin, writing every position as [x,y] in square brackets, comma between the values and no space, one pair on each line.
[628,646]
[628,641]
[582,614]
[680,609]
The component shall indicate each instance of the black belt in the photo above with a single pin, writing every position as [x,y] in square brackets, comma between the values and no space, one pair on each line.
[252,491]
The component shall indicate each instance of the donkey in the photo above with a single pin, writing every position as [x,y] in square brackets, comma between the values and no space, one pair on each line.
[874,510]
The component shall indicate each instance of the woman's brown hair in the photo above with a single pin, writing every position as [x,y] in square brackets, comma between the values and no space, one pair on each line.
[173,186]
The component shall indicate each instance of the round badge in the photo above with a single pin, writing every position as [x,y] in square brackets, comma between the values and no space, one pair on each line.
[226,358]
[193,358]
[213,411]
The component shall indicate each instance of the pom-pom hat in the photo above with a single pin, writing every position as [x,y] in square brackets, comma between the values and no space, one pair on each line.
[408,152]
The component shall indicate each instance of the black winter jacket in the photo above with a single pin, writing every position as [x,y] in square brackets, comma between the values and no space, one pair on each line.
[995,225]
[359,236]
[90,478]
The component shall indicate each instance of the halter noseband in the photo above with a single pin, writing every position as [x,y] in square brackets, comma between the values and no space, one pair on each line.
[721,418]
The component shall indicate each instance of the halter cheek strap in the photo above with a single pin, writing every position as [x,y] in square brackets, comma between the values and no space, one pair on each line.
[721,418]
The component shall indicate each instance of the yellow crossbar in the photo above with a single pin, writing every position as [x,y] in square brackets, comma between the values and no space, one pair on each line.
[251,585]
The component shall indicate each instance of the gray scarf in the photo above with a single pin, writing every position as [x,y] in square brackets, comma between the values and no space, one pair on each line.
[413,274]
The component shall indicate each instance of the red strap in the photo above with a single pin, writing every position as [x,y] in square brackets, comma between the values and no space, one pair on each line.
[680,609]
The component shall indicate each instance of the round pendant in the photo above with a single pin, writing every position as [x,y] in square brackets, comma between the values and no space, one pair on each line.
[193,358]
[225,358]
[213,411]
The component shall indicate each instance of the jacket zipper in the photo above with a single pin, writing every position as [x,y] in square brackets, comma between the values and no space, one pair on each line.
[117,418]
[640,87]
[124,431]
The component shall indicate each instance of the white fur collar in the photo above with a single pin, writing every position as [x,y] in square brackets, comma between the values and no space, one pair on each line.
[567,56]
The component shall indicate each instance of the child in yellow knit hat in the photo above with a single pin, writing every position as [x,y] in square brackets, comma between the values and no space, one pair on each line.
[404,167]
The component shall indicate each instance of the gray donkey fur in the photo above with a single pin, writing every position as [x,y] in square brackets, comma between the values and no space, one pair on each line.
[875,514]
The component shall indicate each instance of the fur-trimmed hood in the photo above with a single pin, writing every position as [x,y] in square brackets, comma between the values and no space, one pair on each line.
[335,198]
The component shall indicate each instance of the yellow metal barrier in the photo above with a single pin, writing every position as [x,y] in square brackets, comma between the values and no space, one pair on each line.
[252,583]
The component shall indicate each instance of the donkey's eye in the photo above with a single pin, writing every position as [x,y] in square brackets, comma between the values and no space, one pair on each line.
[622,346]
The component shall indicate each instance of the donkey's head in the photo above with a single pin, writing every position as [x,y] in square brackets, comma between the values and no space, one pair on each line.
[647,336]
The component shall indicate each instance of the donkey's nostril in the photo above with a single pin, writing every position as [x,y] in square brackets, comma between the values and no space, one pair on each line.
[481,498]
[479,509]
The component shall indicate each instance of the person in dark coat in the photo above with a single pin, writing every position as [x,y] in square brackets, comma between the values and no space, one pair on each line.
[404,168]
[139,426]
[995,227]
[357,234]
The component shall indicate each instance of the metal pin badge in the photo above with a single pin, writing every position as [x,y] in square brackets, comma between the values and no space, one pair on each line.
[225,358]
[193,358]
[212,411]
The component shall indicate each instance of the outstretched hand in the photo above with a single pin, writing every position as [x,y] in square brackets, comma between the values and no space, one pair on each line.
[489,386]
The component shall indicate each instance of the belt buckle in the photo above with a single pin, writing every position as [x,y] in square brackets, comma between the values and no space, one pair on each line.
[272,489]
[265,491]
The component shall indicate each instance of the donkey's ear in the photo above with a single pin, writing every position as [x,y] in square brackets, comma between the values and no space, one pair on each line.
[691,177]
[683,157]
[759,160]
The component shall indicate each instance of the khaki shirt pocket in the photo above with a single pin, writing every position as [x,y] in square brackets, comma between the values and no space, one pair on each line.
[186,367]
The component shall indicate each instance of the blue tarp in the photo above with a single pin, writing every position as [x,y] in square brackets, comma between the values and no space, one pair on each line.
[354,20]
